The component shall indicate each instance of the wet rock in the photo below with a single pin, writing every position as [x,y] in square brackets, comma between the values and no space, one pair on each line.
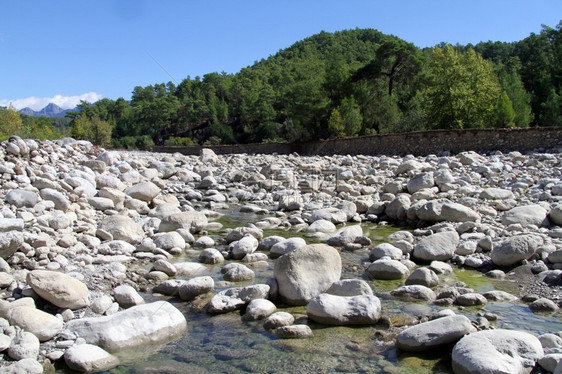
[344,310]
[259,309]
[496,351]
[471,299]
[235,272]
[423,276]
[278,319]
[434,334]
[141,325]
[89,358]
[322,226]
[211,256]
[385,250]
[414,293]
[499,296]
[240,248]
[386,268]
[293,332]
[235,298]
[543,305]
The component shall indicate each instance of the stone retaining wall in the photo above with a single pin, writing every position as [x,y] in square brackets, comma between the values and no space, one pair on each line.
[417,143]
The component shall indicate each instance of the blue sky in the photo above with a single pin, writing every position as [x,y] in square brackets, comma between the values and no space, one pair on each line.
[62,51]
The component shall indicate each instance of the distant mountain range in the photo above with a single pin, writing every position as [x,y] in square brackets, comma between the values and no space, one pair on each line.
[51,110]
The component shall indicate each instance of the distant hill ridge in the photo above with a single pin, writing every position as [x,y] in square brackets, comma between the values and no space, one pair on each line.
[51,110]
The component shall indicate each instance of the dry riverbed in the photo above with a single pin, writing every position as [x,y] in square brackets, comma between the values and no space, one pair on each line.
[278,263]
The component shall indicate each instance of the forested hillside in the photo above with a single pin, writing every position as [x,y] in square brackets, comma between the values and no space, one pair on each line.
[347,83]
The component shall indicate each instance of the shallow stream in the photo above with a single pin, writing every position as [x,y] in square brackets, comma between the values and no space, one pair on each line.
[228,344]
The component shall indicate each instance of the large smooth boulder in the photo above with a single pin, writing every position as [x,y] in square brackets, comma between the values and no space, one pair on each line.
[192,221]
[59,289]
[496,194]
[307,272]
[496,351]
[433,334]
[41,324]
[515,249]
[138,326]
[454,212]
[526,215]
[11,224]
[344,310]
[122,228]
[437,247]
[89,358]
[22,198]
[145,191]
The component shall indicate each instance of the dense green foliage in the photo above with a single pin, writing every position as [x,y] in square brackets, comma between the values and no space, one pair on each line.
[14,123]
[347,83]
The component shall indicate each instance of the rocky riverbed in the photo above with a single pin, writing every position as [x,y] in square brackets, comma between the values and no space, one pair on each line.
[105,254]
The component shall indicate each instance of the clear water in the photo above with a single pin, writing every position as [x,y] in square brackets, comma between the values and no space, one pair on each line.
[228,344]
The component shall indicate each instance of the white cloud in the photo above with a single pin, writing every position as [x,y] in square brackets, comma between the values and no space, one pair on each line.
[65,102]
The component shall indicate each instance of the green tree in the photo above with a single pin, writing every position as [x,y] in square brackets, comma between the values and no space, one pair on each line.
[98,131]
[10,123]
[510,81]
[395,60]
[462,89]
[336,127]
[552,110]
[351,116]
[79,125]
[504,111]
[94,130]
